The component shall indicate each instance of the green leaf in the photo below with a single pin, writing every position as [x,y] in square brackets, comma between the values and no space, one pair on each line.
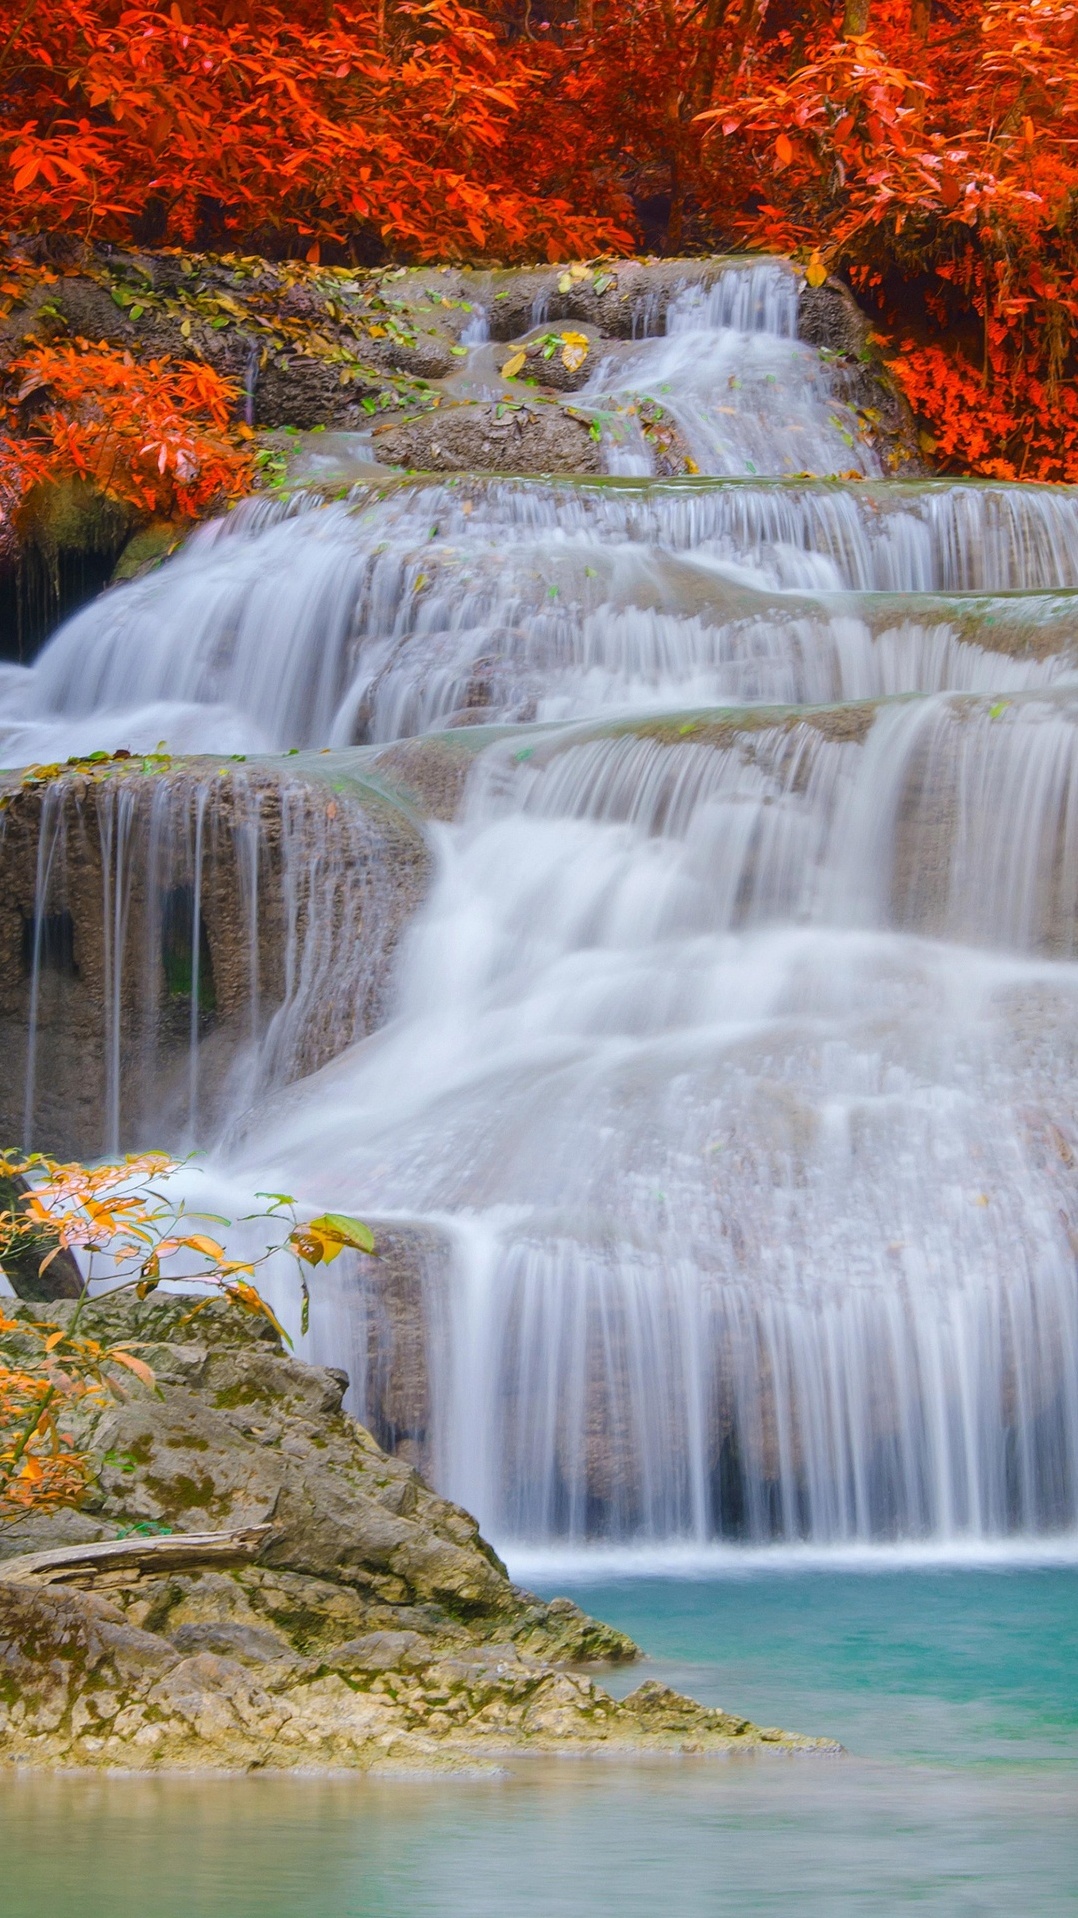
[339,1225]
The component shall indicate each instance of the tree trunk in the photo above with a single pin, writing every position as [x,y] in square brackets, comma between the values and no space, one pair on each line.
[920,19]
[61,1278]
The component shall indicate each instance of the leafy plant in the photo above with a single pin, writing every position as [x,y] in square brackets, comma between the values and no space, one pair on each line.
[116,1215]
[152,433]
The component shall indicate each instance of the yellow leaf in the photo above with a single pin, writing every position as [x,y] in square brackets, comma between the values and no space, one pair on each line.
[341,1228]
[377,332]
[252,1301]
[138,1366]
[513,365]
[208,1247]
[573,357]
[817,272]
[578,272]
[315,1247]
[576,339]
[565,284]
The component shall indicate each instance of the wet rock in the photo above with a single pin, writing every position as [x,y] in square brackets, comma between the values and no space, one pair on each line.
[377,1624]
[622,299]
[507,437]
[829,318]
[299,390]
[551,361]
[148,548]
[431,772]
[376,848]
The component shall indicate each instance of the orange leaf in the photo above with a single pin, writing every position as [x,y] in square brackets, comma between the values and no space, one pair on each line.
[138,1366]
[209,1248]
[783,150]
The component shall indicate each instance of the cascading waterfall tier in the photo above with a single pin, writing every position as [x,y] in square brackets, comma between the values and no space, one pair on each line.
[446,604]
[732,1051]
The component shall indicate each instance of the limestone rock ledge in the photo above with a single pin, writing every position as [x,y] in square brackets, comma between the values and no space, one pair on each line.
[368,1626]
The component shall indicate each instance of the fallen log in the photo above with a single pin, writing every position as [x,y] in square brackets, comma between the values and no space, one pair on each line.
[105,1558]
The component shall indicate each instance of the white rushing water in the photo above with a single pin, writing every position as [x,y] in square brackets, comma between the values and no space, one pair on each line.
[735,1053]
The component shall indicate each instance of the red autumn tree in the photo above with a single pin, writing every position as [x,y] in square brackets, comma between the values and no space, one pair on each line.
[286,127]
[925,149]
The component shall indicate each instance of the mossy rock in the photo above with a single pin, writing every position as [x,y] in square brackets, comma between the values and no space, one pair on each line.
[148,547]
[73,516]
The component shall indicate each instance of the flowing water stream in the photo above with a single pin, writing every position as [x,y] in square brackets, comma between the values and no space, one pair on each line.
[734,1047]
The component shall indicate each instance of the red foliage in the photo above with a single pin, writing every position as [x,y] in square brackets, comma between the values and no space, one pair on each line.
[936,164]
[927,152]
[151,433]
[301,124]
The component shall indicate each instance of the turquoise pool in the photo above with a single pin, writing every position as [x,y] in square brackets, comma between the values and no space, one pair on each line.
[954,1692]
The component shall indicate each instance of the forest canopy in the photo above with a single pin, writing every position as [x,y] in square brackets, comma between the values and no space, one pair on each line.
[924,150]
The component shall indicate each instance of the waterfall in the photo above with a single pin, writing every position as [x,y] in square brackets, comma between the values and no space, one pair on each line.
[732,1051]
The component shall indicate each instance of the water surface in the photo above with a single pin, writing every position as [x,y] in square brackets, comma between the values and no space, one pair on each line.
[956,1693]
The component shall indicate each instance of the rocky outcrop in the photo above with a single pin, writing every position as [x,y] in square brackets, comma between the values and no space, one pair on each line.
[281,1593]
[512,436]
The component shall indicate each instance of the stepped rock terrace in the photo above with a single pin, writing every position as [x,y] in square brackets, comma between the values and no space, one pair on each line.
[685,981]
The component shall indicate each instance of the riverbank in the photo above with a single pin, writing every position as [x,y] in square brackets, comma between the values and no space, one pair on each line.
[253,1584]
[955,1693]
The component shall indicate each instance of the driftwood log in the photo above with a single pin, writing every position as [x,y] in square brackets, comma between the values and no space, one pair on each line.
[106,1559]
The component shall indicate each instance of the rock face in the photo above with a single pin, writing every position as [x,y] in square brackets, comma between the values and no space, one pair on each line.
[513,437]
[133,936]
[341,1615]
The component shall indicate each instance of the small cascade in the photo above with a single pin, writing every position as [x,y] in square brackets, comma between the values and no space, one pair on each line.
[722,1134]
[187,940]
[747,395]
